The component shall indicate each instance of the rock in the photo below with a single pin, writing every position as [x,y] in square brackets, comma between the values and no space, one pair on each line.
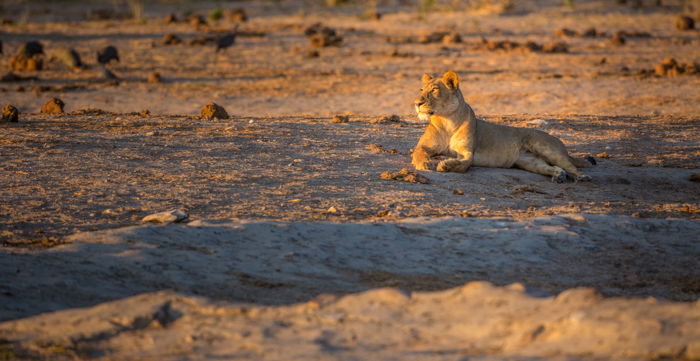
[375,148]
[214,111]
[618,39]
[196,20]
[31,48]
[145,113]
[340,119]
[405,175]
[660,69]
[387,119]
[238,15]
[53,106]
[324,40]
[313,54]
[10,114]
[69,57]
[170,39]
[452,38]
[458,192]
[202,40]
[555,47]
[107,54]
[590,33]
[154,77]
[694,177]
[175,215]
[685,23]
[564,33]
[23,62]
[225,41]
[321,36]
[170,19]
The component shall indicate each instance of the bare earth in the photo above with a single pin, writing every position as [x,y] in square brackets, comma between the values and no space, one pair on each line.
[289,218]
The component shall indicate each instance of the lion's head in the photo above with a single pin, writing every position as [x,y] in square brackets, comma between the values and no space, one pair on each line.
[438,96]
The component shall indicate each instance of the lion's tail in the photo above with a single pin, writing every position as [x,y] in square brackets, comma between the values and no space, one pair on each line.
[586,162]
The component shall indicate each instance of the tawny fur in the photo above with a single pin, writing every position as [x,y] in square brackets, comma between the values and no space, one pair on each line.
[456,132]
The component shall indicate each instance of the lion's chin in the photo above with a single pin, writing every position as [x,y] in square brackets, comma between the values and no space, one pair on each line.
[424,116]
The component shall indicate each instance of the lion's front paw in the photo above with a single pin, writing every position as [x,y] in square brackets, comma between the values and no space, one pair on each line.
[452,165]
[422,165]
[560,177]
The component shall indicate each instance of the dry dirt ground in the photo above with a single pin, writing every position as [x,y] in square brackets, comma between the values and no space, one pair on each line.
[300,211]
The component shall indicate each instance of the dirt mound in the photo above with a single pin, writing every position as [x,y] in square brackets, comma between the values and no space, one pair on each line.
[237,15]
[155,77]
[53,106]
[405,175]
[340,119]
[10,114]
[213,111]
[530,46]
[170,39]
[685,23]
[670,67]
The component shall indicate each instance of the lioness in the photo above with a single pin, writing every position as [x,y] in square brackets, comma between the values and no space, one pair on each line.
[454,131]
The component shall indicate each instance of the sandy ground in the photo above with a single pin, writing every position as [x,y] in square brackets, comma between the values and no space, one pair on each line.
[287,210]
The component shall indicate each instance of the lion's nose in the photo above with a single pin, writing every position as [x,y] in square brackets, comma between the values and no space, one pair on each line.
[418,102]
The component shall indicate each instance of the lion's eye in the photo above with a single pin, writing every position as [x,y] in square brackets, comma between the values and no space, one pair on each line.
[435,91]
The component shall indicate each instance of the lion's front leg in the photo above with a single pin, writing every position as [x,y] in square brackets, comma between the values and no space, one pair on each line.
[462,143]
[421,159]
[430,144]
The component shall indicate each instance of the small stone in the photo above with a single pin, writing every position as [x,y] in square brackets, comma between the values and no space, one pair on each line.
[603,155]
[10,114]
[387,119]
[170,18]
[618,39]
[155,77]
[214,111]
[238,15]
[332,210]
[660,69]
[175,215]
[340,119]
[555,47]
[313,54]
[145,113]
[590,33]
[458,192]
[564,33]
[171,39]
[154,133]
[375,148]
[23,62]
[452,38]
[694,177]
[53,106]
[196,20]
[405,175]
[685,23]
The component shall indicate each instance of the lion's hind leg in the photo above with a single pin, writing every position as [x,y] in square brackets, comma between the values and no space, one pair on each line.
[534,164]
[554,152]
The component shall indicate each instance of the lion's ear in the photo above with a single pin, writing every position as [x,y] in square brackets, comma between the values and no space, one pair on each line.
[450,79]
[426,78]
